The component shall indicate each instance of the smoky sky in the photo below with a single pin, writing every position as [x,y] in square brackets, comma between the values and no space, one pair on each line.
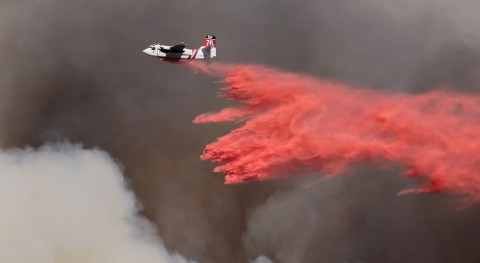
[74,70]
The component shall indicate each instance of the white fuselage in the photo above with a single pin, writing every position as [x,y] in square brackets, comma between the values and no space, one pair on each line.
[164,52]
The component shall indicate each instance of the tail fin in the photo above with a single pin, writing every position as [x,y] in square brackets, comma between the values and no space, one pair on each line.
[209,46]
[210,41]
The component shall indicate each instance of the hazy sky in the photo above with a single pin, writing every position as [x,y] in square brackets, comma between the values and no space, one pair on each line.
[74,70]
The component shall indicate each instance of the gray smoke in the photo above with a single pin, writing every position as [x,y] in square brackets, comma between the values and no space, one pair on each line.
[74,70]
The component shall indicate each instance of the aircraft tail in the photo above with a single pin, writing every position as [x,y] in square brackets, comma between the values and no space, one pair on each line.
[210,45]
[210,41]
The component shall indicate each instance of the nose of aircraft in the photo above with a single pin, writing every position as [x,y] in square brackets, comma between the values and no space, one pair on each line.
[147,51]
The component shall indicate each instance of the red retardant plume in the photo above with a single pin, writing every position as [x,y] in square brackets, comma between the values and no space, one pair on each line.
[298,125]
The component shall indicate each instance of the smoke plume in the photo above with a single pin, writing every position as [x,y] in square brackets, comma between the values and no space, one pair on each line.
[65,204]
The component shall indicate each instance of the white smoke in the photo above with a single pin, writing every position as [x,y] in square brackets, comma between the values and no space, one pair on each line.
[262,259]
[62,203]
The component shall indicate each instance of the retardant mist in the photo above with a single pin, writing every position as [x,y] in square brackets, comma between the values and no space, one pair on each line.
[298,125]
[62,203]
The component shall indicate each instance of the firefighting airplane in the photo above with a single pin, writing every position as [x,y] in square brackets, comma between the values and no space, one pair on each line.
[206,51]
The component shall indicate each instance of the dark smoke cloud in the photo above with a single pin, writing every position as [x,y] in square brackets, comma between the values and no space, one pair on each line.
[74,70]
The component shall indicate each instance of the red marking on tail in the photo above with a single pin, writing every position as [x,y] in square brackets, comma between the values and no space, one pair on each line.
[209,42]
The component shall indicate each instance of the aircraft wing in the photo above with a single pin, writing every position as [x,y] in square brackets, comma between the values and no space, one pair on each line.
[178,47]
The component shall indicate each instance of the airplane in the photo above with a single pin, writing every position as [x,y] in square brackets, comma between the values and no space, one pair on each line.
[176,52]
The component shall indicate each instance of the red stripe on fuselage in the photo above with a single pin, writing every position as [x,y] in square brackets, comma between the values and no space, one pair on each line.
[195,53]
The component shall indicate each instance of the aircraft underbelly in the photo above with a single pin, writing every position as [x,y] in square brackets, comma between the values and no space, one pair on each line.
[187,54]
